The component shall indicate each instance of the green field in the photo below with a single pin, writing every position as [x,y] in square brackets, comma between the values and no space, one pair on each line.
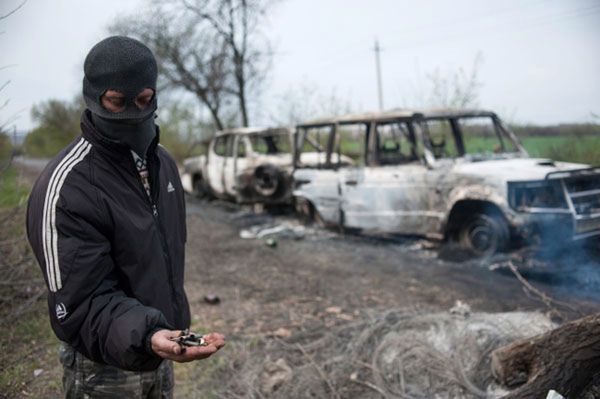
[582,149]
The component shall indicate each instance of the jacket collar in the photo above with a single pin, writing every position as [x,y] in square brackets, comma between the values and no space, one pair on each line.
[110,148]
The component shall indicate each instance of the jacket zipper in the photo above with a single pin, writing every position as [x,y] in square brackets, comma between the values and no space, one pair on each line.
[161,233]
[165,249]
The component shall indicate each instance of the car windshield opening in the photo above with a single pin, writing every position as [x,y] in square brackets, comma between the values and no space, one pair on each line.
[470,136]
[482,136]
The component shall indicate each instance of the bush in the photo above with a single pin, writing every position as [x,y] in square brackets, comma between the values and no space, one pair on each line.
[6,150]
[181,130]
[58,124]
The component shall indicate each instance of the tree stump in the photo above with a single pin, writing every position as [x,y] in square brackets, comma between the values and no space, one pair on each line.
[566,359]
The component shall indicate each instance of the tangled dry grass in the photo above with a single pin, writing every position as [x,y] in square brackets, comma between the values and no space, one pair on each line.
[396,354]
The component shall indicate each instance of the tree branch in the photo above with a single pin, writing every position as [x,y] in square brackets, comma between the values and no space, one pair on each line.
[13,11]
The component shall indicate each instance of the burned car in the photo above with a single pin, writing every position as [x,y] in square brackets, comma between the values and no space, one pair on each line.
[247,165]
[455,175]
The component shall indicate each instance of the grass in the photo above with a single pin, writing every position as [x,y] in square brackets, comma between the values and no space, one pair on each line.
[580,149]
[583,149]
[11,192]
[198,379]
[27,342]
[569,148]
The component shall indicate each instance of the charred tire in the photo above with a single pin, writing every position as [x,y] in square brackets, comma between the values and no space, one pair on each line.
[484,234]
[268,181]
[308,213]
[201,189]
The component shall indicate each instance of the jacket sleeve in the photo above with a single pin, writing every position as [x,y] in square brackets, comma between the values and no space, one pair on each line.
[89,309]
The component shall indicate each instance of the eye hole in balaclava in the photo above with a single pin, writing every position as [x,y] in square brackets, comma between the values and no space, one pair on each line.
[115,101]
[124,65]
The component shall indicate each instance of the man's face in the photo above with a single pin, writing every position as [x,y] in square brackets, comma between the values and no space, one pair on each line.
[115,101]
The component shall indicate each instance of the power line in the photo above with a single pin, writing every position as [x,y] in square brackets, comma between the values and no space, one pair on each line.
[450,23]
[502,27]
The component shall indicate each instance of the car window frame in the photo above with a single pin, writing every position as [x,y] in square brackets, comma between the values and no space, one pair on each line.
[216,144]
[411,136]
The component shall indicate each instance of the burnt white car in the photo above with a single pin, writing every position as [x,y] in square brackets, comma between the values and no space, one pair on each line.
[459,175]
[246,165]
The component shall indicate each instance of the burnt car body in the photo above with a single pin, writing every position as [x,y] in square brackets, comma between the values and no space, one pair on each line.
[247,165]
[460,175]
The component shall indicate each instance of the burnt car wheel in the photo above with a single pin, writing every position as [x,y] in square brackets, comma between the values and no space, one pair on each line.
[201,190]
[308,213]
[267,180]
[484,235]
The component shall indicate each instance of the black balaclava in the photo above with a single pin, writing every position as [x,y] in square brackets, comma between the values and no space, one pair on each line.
[127,66]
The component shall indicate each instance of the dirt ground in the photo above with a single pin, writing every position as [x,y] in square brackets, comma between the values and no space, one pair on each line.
[282,300]
[325,280]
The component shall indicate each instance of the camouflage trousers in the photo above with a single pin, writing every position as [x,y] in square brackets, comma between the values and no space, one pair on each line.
[83,378]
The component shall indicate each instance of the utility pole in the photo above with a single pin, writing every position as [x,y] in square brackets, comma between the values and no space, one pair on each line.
[377,50]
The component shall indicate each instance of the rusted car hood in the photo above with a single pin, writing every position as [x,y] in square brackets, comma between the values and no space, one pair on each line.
[517,169]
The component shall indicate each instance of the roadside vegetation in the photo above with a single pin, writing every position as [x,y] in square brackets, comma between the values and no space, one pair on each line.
[181,129]
[58,123]
[29,366]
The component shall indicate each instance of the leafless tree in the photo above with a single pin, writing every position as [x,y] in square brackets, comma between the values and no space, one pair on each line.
[210,48]
[14,10]
[189,58]
[459,89]
[442,88]
[237,23]
[304,101]
[4,124]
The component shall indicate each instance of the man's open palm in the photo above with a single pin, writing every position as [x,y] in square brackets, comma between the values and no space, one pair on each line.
[167,349]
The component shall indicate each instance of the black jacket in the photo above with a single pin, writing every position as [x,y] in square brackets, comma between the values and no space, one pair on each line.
[113,259]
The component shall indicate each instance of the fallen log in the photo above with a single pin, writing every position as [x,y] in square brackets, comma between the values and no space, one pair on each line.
[566,359]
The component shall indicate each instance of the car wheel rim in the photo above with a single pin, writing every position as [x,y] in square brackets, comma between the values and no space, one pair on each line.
[482,237]
[266,183]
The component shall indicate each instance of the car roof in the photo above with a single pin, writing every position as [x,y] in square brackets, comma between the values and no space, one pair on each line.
[396,114]
[255,130]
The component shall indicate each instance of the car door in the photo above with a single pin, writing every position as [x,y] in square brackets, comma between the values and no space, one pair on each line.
[236,163]
[229,180]
[216,161]
[315,180]
[391,194]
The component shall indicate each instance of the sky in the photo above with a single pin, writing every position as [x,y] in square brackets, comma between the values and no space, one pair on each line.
[539,60]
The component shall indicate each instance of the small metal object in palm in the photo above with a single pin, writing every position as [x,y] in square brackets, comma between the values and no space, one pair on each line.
[187,338]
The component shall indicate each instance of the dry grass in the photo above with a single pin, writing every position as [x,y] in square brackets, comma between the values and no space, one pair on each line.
[26,340]
[392,354]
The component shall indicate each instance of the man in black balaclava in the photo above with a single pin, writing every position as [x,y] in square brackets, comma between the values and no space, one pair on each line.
[106,222]
[119,89]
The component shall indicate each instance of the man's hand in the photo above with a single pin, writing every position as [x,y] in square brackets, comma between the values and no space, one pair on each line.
[167,349]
